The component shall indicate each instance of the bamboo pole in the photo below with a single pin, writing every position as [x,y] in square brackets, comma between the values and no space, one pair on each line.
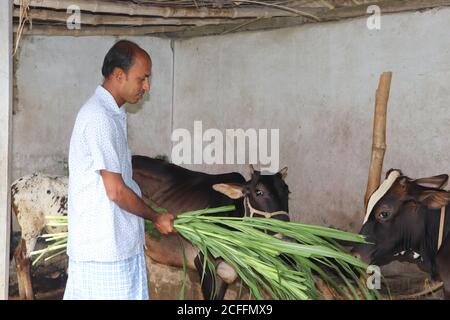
[386,6]
[378,135]
[61,30]
[274,5]
[95,20]
[360,10]
[132,9]
[324,14]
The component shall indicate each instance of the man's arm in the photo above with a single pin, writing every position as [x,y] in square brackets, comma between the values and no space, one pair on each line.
[126,199]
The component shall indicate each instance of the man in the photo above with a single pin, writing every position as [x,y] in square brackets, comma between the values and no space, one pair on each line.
[105,211]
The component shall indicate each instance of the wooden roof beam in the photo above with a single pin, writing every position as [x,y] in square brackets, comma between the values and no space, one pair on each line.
[133,9]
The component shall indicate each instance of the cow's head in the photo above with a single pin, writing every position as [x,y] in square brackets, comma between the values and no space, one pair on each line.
[396,217]
[263,195]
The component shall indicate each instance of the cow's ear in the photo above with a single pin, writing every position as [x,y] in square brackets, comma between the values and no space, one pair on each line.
[283,172]
[434,199]
[437,182]
[251,169]
[253,172]
[232,190]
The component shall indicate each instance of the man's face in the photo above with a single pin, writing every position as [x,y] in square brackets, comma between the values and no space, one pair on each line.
[137,82]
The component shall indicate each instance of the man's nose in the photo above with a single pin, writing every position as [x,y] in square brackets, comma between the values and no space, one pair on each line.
[147,85]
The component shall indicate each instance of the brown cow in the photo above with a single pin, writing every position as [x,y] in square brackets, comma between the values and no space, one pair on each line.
[406,221]
[178,190]
[173,187]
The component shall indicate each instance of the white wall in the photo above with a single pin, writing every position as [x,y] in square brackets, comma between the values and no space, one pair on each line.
[317,83]
[56,75]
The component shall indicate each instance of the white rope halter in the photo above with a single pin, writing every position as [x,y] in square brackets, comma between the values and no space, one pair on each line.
[384,188]
[380,192]
[248,207]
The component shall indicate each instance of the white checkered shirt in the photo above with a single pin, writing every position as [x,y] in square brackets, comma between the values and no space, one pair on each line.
[99,230]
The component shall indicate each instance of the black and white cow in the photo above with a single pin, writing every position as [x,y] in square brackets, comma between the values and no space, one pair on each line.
[32,198]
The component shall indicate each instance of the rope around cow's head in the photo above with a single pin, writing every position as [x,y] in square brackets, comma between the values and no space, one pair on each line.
[250,211]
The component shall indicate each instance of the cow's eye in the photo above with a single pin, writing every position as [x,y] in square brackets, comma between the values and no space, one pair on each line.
[259,193]
[384,215]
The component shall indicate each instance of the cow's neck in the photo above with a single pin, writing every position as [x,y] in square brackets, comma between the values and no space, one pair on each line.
[429,241]
[433,217]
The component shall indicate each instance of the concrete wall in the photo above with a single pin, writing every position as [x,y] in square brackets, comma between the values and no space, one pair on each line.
[317,83]
[54,76]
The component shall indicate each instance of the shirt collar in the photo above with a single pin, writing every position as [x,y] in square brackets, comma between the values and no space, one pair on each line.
[109,102]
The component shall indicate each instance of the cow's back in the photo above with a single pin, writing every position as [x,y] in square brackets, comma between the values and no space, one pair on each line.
[35,196]
[178,189]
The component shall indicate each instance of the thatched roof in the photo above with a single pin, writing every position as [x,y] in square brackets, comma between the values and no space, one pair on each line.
[188,18]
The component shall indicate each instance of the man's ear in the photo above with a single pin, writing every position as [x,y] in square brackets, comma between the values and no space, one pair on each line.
[118,74]
[437,182]
[232,190]
[434,199]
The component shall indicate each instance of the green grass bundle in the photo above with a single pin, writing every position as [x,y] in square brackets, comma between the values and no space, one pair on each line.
[267,265]
[59,240]
[282,269]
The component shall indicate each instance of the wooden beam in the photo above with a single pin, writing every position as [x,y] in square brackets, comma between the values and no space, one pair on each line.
[6,80]
[278,6]
[168,31]
[207,26]
[105,19]
[61,30]
[386,6]
[389,6]
[258,24]
[133,9]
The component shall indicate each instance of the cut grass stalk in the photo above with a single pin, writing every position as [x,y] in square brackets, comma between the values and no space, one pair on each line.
[267,265]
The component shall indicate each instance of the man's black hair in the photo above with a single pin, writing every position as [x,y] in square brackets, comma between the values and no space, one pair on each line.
[121,55]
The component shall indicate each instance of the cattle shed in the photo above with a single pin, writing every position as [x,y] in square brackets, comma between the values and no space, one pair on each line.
[307,68]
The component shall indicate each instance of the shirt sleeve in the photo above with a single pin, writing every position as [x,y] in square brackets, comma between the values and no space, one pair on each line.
[101,139]
[135,188]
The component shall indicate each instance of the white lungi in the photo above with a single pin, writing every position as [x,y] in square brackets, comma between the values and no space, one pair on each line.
[118,280]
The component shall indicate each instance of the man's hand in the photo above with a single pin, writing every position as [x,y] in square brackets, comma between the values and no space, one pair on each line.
[164,223]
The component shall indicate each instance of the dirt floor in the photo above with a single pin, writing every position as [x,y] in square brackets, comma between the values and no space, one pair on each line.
[412,286]
[49,281]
